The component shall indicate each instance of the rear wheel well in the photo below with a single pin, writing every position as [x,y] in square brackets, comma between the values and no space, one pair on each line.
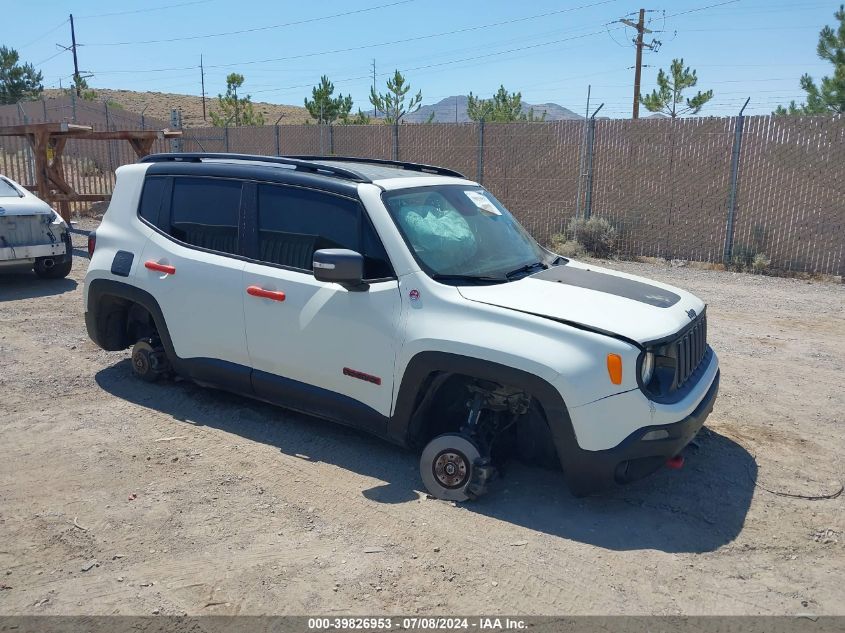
[121,322]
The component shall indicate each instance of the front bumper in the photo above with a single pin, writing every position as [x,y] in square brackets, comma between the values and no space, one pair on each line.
[635,457]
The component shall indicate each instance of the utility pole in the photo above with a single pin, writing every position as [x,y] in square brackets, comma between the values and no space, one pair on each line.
[202,83]
[638,42]
[375,110]
[75,61]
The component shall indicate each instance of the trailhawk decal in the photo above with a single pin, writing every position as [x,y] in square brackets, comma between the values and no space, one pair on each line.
[610,284]
[354,373]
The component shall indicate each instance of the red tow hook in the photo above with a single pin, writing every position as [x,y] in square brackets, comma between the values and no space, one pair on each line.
[675,463]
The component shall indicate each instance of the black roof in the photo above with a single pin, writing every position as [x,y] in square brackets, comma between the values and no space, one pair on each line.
[343,168]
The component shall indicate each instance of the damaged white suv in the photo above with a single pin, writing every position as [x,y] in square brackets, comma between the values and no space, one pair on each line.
[402,299]
[32,234]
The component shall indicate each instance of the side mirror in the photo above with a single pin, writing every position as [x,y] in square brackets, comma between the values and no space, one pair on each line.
[339,265]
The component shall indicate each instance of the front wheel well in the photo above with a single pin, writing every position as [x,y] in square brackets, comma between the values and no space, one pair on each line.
[444,404]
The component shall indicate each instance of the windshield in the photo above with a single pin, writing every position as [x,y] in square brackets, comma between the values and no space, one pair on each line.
[7,190]
[463,231]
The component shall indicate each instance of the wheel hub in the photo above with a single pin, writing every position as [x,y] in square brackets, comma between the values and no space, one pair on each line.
[451,469]
[141,363]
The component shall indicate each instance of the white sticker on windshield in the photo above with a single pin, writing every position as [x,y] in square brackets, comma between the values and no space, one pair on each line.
[482,202]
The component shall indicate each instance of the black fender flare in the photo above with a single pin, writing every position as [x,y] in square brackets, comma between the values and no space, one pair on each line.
[416,382]
[99,288]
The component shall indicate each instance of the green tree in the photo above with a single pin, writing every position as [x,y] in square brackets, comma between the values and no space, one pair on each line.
[235,110]
[392,103]
[84,91]
[18,82]
[502,108]
[327,109]
[668,97]
[829,97]
[360,118]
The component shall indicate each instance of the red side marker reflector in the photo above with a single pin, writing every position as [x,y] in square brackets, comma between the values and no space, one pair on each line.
[676,463]
[354,373]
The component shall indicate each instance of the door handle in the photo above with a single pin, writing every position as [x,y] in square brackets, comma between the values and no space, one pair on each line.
[162,268]
[258,291]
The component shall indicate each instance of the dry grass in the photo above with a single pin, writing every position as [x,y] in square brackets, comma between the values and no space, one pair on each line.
[159,104]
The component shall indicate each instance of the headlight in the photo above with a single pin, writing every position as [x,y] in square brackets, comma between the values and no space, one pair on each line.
[647,368]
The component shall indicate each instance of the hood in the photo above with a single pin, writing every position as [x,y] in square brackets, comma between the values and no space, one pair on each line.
[596,298]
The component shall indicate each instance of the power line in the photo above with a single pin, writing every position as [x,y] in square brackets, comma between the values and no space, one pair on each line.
[148,10]
[258,28]
[367,46]
[41,37]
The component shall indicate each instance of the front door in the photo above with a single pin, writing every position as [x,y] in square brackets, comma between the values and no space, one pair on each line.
[318,346]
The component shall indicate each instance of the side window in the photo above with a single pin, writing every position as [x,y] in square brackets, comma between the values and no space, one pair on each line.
[204,212]
[293,223]
[151,197]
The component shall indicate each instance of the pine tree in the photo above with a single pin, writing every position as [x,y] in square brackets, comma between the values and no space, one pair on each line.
[235,110]
[829,97]
[392,103]
[327,109]
[668,97]
[18,82]
[503,107]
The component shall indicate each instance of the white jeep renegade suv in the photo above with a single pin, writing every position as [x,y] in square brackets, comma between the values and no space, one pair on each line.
[402,299]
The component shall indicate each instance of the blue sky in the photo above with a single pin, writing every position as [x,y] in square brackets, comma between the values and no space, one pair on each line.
[549,50]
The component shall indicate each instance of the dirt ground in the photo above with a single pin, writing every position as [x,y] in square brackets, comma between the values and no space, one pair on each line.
[118,496]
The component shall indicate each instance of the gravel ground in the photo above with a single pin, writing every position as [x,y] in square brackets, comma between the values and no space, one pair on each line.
[118,496]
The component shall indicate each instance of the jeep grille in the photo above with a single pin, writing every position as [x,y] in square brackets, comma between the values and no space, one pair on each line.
[690,350]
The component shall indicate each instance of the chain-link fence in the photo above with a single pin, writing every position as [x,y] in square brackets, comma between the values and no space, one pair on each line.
[88,165]
[704,189]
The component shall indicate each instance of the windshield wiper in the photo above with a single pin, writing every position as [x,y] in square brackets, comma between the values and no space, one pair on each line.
[526,269]
[468,279]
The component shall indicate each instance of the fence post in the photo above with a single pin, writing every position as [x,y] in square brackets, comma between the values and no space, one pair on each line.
[73,103]
[44,106]
[591,137]
[30,168]
[278,140]
[331,140]
[396,141]
[226,137]
[729,229]
[176,124]
[479,162]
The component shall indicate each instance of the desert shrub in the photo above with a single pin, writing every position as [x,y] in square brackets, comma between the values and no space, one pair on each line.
[85,167]
[760,264]
[596,235]
[562,245]
[747,259]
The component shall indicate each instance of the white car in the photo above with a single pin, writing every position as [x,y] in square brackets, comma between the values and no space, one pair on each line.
[32,234]
[402,299]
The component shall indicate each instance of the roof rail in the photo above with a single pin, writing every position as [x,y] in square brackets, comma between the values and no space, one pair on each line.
[428,169]
[298,164]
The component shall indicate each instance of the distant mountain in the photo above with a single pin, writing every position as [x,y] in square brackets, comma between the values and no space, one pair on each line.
[453,109]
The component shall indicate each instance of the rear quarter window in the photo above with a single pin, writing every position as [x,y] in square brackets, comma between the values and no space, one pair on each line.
[151,197]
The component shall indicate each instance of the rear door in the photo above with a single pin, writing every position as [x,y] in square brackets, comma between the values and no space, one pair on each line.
[319,347]
[190,265]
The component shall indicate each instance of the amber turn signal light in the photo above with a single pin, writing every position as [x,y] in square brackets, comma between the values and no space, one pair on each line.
[614,368]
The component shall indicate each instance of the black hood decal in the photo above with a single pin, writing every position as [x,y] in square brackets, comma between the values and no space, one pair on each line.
[610,284]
